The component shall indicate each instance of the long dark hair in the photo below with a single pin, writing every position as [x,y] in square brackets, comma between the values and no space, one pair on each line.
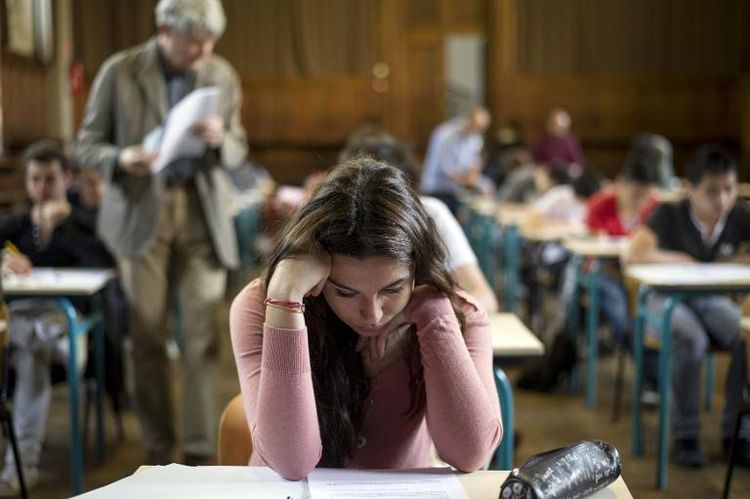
[364,208]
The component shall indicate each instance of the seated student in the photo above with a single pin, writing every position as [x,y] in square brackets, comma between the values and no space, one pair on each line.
[617,212]
[709,225]
[562,201]
[563,198]
[85,197]
[558,145]
[612,212]
[356,350]
[47,236]
[460,258]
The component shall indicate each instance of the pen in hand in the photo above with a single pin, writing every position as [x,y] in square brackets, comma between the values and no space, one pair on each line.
[16,261]
[12,249]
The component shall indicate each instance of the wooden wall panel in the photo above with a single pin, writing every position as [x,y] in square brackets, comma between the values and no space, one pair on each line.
[25,95]
[307,112]
[465,16]
[689,102]
[620,67]
[426,92]
[103,27]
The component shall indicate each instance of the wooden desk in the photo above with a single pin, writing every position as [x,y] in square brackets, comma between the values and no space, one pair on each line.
[676,281]
[59,285]
[511,338]
[187,482]
[550,232]
[596,247]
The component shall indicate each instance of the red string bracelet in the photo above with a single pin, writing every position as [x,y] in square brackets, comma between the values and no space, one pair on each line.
[291,306]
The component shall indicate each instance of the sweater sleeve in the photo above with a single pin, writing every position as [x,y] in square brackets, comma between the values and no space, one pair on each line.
[277,391]
[463,413]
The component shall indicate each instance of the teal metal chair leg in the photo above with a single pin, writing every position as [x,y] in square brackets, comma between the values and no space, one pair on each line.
[638,334]
[504,460]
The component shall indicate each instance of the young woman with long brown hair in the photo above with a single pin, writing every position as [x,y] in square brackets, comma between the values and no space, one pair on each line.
[356,350]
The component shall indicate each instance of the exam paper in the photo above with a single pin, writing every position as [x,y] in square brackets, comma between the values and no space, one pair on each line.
[178,140]
[187,482]
[694,274]
[345,484]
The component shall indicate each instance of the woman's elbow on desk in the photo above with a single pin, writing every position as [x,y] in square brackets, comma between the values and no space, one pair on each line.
[294,469]
[474,453]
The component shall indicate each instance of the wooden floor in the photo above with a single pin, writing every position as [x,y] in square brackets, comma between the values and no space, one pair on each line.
[544,421]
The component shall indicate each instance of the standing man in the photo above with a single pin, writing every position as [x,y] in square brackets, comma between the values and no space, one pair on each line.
[172,228]
[454,157]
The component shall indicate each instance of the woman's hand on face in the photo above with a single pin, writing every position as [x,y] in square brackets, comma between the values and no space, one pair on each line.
[380,350]
[300,276]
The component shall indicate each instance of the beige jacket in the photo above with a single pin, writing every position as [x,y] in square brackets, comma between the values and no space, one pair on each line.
[128,99]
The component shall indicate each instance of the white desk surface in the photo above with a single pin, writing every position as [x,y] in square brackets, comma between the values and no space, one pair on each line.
[604,247]
[745,323]
[482,205]
[551,232]
[186,482]
[691,276]
[511,338]
[512,213]
[57,282]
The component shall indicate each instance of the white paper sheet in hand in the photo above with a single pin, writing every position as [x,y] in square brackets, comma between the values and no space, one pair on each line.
[178,140]
[345,484]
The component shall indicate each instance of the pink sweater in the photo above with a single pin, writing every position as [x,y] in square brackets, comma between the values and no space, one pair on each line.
[461,416]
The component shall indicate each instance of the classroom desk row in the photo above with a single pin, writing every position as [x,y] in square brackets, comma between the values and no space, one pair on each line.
[60,285]
[589,255]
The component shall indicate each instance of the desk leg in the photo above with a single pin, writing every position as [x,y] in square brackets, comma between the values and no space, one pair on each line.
[76,452]
[485,250]
[638,333]
[573,321]
[510,243]
[665,384]
[592,340]
[101,386]
[505,449]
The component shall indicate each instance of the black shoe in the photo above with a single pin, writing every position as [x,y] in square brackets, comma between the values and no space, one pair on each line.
[741,451]
[687,453]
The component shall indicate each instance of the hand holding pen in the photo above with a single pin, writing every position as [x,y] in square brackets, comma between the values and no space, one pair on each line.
[15,261]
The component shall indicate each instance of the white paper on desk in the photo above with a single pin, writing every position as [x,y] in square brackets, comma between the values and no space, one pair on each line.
[345,484]
[217,482]
[178,140]
[696,274]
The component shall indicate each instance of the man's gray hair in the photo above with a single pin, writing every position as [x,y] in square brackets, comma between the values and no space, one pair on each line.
[192,16]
